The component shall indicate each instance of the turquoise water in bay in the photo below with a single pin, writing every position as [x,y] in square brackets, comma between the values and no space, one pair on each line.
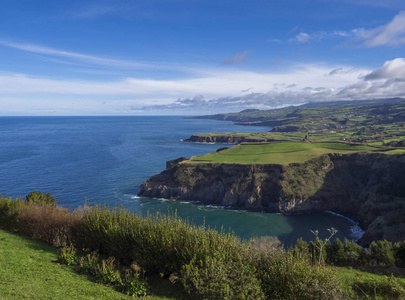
[105,159]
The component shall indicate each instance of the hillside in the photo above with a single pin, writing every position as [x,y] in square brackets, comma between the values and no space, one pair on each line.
[376,122]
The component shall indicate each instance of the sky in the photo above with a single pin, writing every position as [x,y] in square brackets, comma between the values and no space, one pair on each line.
[193,57]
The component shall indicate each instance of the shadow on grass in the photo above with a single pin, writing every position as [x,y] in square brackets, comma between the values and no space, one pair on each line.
[167,288]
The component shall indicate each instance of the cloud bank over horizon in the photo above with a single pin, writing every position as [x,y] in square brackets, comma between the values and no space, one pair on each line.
[120,58]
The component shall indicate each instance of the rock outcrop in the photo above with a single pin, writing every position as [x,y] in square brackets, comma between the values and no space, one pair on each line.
[367,186]
[224,139]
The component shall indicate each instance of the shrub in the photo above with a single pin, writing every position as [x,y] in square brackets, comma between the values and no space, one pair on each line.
[286,275]
[40,198]
[158,244]
[399,254]
[268,244]
[51,224]
[67,255]
[354,254]
[88,263]
[383,288]
[301,248]
[220,278]
[335,252]
[381,252]
[9,211]
[135,287]
[107,271]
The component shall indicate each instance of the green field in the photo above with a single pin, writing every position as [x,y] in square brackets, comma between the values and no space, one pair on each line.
[277,153]
[358,122]
[29,270]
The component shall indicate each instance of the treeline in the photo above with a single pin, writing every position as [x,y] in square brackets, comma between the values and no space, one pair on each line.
[123,248]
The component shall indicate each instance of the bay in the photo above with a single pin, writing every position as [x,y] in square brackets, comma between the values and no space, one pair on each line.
[104,160]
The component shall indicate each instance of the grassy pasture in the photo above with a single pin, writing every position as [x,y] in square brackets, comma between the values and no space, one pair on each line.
[28,270]
[277,153]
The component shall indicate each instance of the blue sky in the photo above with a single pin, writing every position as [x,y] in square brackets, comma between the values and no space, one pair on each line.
[137,57]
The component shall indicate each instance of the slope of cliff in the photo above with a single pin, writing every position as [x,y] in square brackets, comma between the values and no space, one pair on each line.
[367,186]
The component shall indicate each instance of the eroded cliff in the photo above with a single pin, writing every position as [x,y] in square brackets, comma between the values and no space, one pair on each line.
[367,186]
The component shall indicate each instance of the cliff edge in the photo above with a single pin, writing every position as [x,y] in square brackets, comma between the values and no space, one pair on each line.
[367,186]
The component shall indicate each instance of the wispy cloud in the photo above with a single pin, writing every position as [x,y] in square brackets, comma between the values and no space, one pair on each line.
[305,37]
[391,34]
[238,58]
[94,60]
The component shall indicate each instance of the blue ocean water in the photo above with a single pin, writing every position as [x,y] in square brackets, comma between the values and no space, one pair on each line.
[105,159]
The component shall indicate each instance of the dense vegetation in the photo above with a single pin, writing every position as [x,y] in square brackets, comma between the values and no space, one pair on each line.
[122,248]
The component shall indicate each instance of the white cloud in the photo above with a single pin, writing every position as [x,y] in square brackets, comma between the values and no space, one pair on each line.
[223,88]
[391,34]
[392,69]
[91,59]
[302,37]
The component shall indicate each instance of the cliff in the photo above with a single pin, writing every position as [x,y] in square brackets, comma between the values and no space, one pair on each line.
[225,139]
[367,186]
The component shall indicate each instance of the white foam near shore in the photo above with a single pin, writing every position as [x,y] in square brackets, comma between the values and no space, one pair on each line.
[355,229]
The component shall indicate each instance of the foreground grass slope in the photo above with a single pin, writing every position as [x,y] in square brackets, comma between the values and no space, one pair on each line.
[28,270]
[203,262]
[278,153]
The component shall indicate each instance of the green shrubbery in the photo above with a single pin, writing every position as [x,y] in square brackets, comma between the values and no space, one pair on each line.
[106,271]
[217,277]
[210,264]
[160,243]
[40,198]
[384,288]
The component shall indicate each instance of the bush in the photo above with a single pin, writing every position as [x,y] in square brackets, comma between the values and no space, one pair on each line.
[88,264]
[399,254]
[38,197]
[68,256]
[381,253]
[385,288]
[220,278]
[158,244]
[107,271]
[286,275]
[335,252]
[9,211]
[51,224]
[135,287]
[354,254]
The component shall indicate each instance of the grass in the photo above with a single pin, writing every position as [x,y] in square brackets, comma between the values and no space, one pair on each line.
[353,281]
[28,270]
[277,153]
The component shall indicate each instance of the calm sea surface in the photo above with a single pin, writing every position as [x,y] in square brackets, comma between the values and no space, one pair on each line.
[105,159]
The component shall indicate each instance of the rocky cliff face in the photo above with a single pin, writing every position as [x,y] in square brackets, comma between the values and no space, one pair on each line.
[368,186]
[224,139]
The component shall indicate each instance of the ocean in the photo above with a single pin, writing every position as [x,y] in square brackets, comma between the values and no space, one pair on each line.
[93,160]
